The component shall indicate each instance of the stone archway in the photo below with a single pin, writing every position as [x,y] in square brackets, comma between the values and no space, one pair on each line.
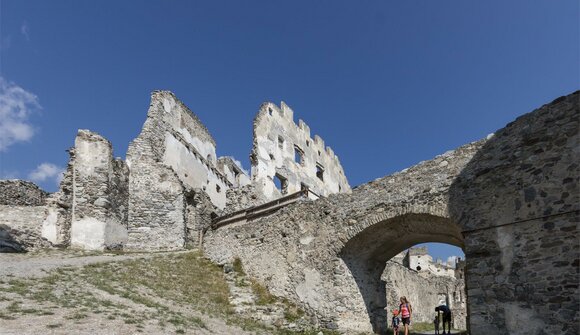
[366,254]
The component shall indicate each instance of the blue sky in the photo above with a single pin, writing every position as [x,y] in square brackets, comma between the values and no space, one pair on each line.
[386,83]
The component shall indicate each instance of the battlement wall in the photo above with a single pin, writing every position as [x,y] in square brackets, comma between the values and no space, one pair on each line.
[286,151]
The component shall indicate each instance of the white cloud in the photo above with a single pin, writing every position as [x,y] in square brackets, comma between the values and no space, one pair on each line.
[46,171]
[16,105]
[25,30]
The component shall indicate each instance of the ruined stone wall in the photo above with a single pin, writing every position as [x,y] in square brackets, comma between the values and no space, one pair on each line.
[511,201]
[244,197]
[233,173]
[518,201]
[90,209]
[58,215]
[276,139]
[424,293]
[199,213]
[22,211]
[308,261]
[20,228]
[21,193]
[100,195]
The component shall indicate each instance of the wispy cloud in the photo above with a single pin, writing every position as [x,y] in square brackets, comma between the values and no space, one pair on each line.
[25,30]
[16,106]
[47,171]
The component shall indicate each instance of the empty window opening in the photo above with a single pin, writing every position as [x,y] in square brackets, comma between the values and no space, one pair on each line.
[318,152]
[271,156]
[320,171]
[270,110]
[281,183]
[419,268]
[298,155]
[339,188]
[307,143]
[280,142]
[218,188]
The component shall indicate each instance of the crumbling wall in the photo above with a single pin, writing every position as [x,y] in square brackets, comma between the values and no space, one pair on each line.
[22,210]
[90,209]
[233,173]
[244,197]
[58,215]
[20,228]
[512,202]
[21,193]
[99,216]
[200,212]
[285,149]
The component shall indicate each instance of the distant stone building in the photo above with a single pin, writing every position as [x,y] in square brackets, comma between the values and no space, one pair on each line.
[427,284]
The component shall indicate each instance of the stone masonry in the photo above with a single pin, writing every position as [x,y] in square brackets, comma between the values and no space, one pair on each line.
[21,193]
[97,205]
[285,159]
[511,201]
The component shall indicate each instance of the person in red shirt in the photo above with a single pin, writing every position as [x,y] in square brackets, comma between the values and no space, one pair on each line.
[406,310]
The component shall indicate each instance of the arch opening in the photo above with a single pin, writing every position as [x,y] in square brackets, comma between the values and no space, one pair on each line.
[370,257]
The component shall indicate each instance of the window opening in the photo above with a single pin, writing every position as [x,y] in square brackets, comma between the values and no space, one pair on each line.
[280,142]
[218,189]
[320,171]
[270,110]
[298,155]
[281,183]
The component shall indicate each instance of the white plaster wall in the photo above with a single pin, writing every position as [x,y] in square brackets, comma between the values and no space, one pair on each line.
[49,229]
[91,155]
[192,171]
[273,122]
[93,234]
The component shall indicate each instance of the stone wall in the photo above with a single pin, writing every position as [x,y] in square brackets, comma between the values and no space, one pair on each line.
[510,201]
[90,210]
[173,152]
[20,228]
[233,173]
[286,150]
[21,193]
[518,202]
[199,213]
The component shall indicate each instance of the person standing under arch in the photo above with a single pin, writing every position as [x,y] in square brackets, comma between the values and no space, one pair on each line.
[405,310]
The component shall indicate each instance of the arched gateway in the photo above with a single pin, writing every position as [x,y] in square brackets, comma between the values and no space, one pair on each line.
[510,201]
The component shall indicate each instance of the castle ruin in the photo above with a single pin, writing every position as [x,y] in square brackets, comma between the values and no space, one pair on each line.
[511,201]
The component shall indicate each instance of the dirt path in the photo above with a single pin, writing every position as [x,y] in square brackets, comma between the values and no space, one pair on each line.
[29,265]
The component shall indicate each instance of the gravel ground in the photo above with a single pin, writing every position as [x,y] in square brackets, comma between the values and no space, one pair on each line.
[62,320]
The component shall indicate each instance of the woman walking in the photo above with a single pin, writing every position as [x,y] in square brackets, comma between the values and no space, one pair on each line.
[406,310]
